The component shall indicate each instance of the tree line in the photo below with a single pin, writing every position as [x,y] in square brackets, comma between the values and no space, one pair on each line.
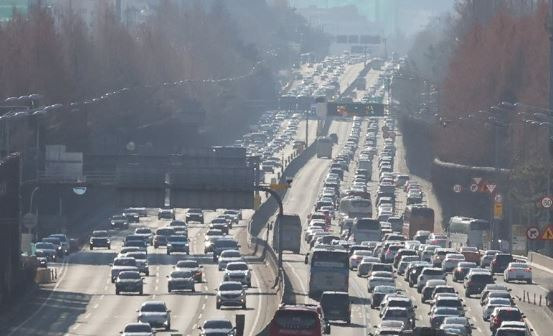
[67,58]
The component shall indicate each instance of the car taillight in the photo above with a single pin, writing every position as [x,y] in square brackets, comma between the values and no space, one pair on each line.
[512,270]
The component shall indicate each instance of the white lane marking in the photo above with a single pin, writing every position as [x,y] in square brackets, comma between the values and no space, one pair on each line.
[77,326]
[45,302]
[86,316]
[258,313]
[203,306]
[102,296]
[96,306]
[297,276]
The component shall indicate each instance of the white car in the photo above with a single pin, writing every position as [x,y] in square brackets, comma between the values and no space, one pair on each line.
[229,256]
[379,281]
[517,271]
[357,257]
[137,329]
[429,273]
[451,260]
[156,314]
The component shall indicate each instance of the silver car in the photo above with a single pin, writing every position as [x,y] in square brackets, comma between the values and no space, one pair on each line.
[141,261]
[122,264]
[517,271]
[238,271]
[231,293]
[229,256]
[156,314]
[181,280]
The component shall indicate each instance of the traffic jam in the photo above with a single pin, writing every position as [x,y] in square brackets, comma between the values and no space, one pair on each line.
[416,278]
[131,266]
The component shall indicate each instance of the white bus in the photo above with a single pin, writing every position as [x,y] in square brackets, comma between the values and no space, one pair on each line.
[366,229]
[328,270]
[356,207]
[466,231]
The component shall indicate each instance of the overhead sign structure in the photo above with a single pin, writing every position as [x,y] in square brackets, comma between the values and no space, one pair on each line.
[474,187]
[547,233]
[532,233]
[546,202]
[491,187]
[457,188]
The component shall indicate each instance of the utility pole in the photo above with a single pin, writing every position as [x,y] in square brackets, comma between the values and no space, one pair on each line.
[549,136]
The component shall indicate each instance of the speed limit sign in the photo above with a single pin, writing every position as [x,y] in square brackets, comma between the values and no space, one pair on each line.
[546,202]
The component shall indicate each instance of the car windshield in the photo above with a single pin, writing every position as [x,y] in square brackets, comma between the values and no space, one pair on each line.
[231,287]
[296,320]
[187,264]
[456,320]
[335,301]
[99,234]
[143,231]
[519,265]
[137,255]
[510,315]
[61,237]
[217,324]
[124,262]
[230,254]
[237,267]
[45,246]
[177,239]
[181,274]
[385,289]
[391,313]
[129,275]
[138,328]
[153,308]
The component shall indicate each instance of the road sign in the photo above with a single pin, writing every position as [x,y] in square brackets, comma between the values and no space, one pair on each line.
[547,202]
[457,188]
[491,187]
[498,198]
[498,210]
[476,180]
[532,233]
[29,220]
[547,233]
[279,186]
[474,187]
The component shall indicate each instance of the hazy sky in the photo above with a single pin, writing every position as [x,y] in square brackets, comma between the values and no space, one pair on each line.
[412,15]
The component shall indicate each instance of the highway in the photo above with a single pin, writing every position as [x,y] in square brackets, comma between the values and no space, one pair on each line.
[83,301]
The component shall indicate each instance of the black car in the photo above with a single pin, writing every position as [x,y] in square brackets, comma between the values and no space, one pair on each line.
[500,262]
[132,217]
[336,306]
[194,215]
[414,274]
[129,282]
[119,222]
[475,282]
[100,238]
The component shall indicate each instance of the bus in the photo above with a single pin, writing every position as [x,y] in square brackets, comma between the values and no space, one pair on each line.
[466,231]
[324,147]
[355,207]
[328,270]
[366,229]
[417,217]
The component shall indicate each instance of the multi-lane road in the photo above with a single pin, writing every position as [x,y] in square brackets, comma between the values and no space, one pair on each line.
[83,301]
